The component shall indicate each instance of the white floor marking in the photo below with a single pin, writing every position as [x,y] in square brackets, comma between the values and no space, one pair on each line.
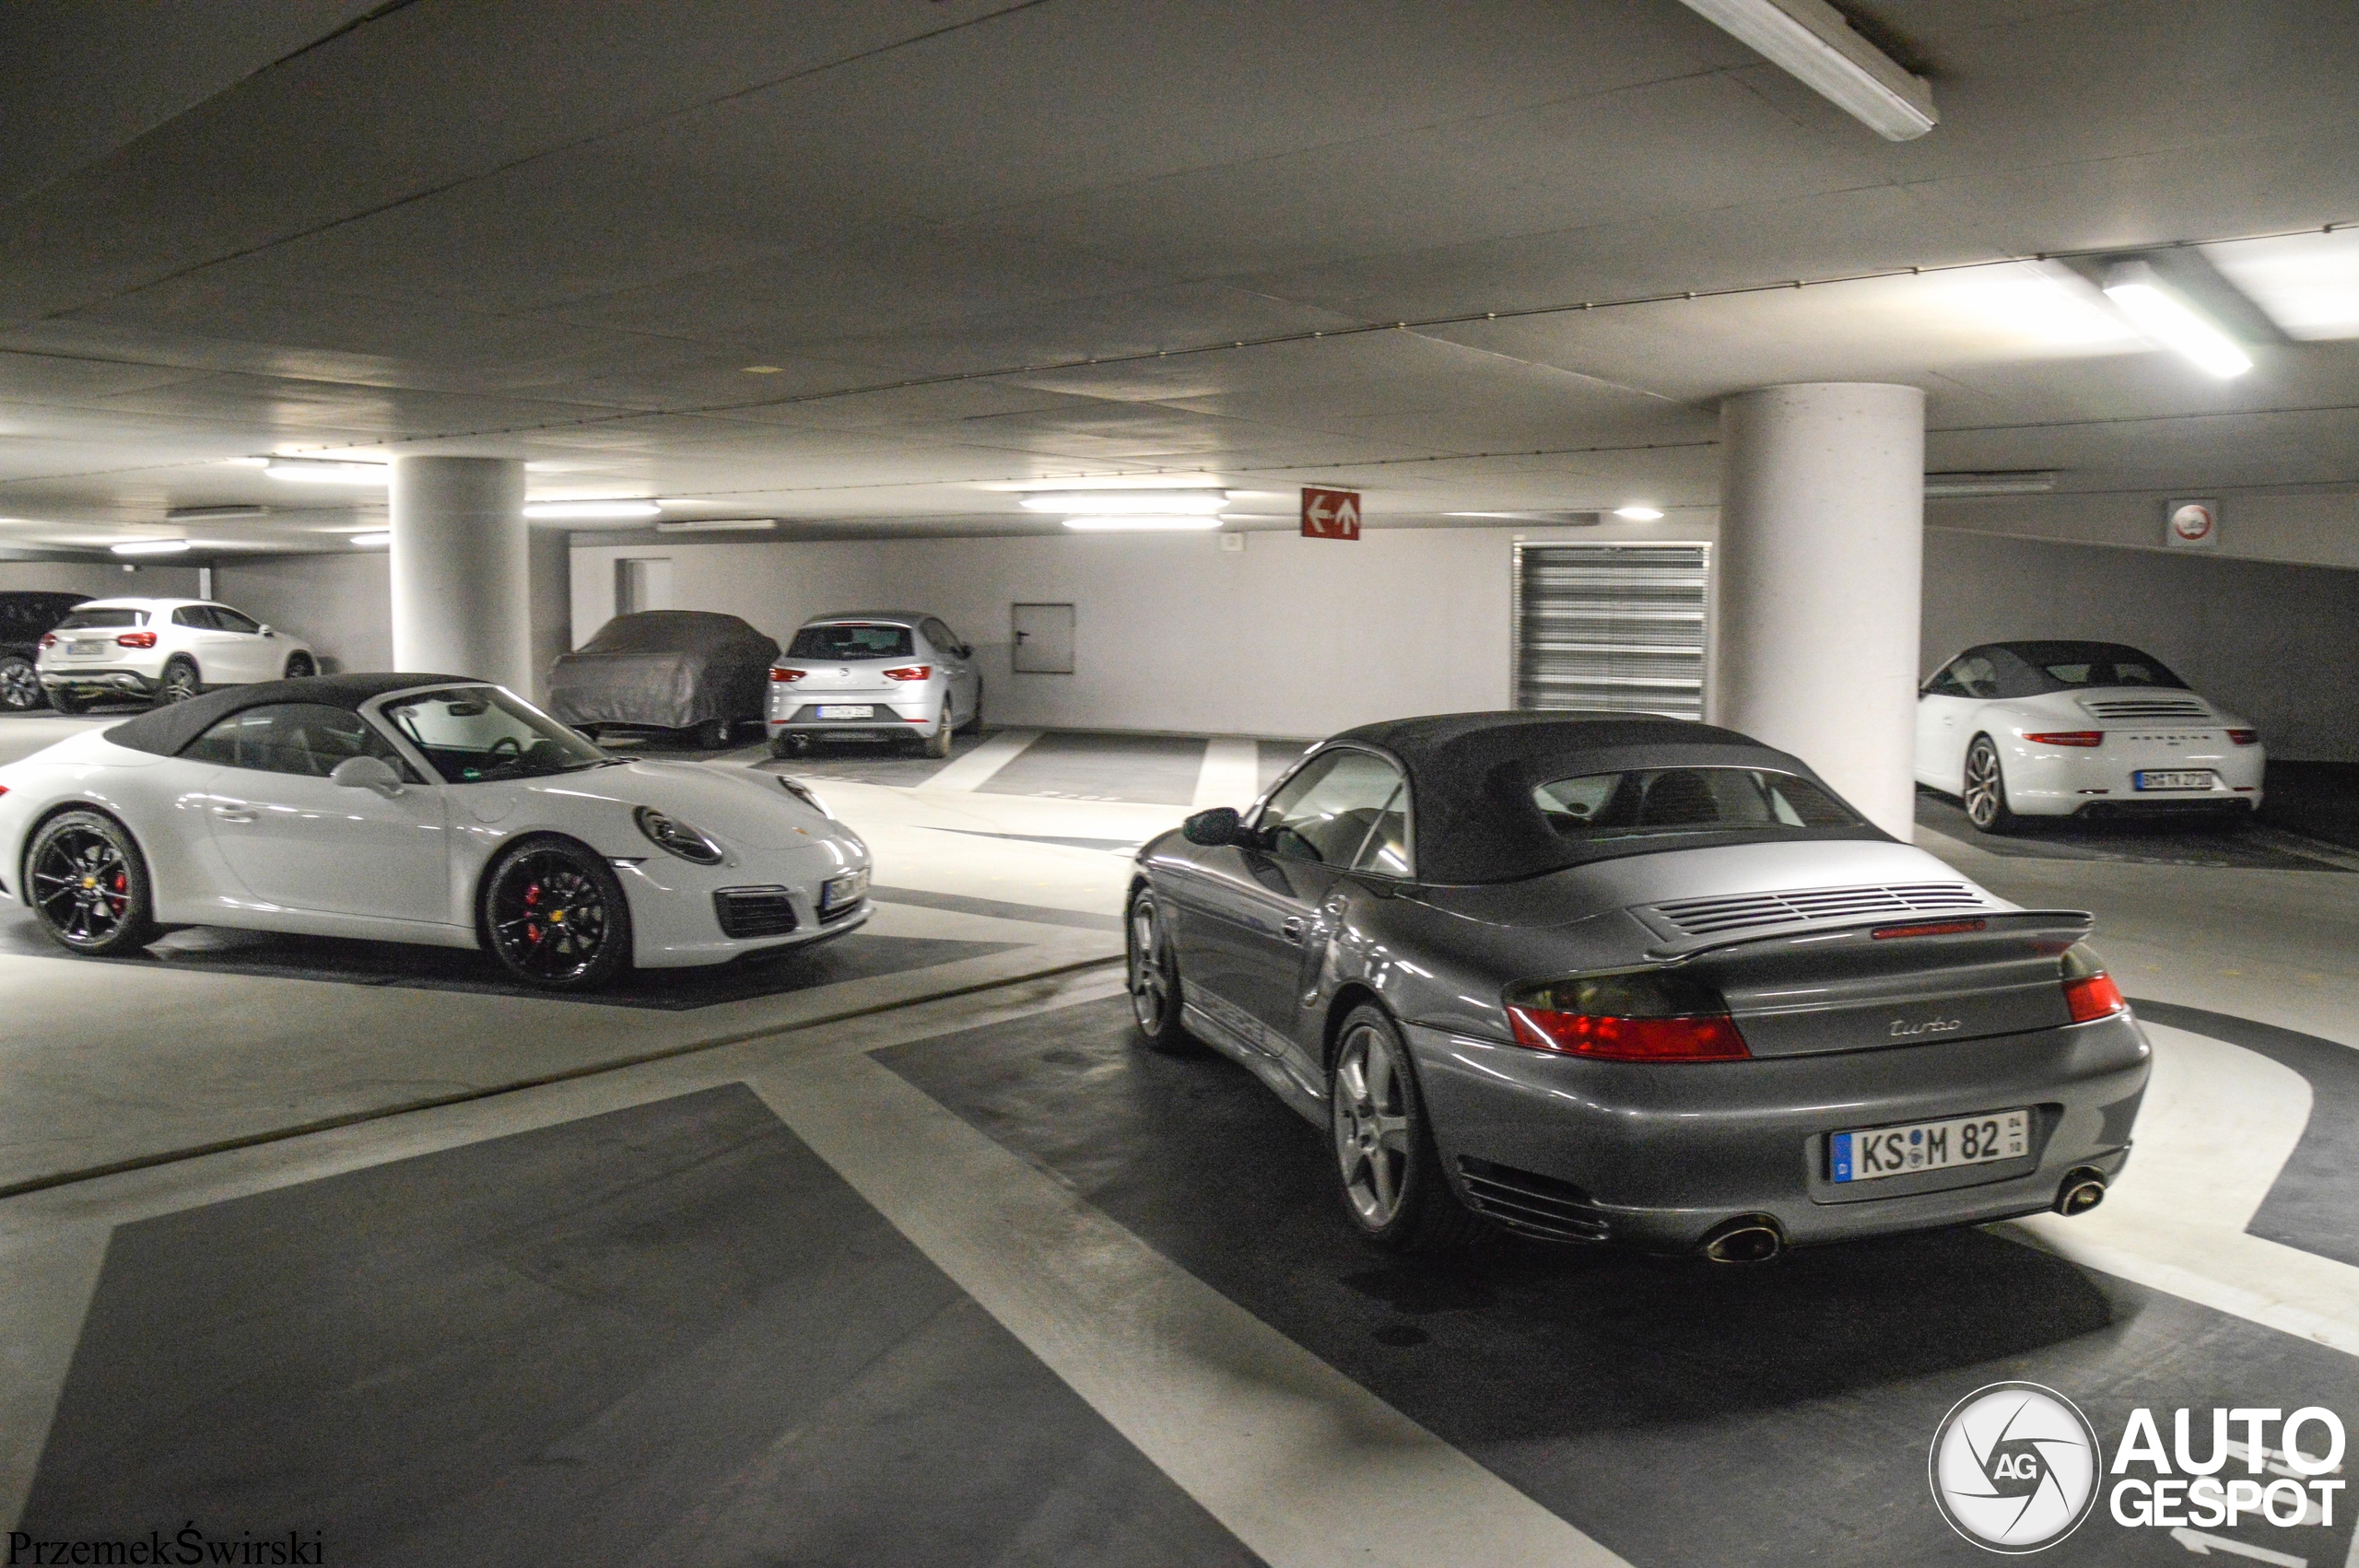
[975,770]
[1231,775]
[49,1279]
[2217,1126]
[1303,1465]
[2204,1545]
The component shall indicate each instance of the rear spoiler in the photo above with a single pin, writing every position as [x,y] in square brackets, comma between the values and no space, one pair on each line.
[2067,926]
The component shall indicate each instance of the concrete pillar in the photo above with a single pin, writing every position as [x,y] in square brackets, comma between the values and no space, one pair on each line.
[460,575]
[1821,568]
[552,573]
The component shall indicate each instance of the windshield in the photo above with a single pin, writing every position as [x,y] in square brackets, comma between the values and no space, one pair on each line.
[1659,801]
[87,620]
[848,642]
[473,734]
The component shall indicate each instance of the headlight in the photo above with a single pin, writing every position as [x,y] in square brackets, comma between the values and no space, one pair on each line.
[677,838]
[807,795]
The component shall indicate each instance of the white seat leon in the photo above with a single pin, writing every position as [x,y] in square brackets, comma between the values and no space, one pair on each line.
[886,675]
[2055,729]
[164,650]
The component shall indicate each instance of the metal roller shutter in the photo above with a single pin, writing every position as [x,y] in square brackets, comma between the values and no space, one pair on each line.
[1613,626]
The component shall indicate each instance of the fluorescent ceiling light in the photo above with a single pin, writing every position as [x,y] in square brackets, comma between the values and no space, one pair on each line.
[151,547]
[1517,516]
[369,541]
[2003,482]
[1811,41]
[1637,514]
[322,470]
[214,514]
[1108,503]
[2172,321]
[245,463]
[607,509]
[715,525]
[1144,522]
[2307,284]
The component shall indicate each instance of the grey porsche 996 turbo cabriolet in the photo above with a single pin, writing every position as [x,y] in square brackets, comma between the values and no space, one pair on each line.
[1616,979]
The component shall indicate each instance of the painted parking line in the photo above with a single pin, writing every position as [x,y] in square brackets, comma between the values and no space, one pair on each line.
[1231,775]
[975,770]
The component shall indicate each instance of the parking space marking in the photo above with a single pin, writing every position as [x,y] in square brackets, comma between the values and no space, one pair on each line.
[1232,774]
[975,770]
[51,1279]
[1303,1465]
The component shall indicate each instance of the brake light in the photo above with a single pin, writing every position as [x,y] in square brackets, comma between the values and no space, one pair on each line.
[910,673]
[48,639]
[1642,1017]
[782,675]
[2245,737]
[135,639]
[2089,991]
[2070,738]
[1930,927]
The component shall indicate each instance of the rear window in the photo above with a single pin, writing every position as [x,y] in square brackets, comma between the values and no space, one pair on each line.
[2033,668]
[90,620]
[852,642]
[1656,803]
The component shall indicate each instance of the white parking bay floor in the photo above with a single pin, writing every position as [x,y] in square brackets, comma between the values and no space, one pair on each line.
[926,1262]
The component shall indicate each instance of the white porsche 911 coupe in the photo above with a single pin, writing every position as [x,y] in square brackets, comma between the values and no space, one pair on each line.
[424,809]
[2064,728]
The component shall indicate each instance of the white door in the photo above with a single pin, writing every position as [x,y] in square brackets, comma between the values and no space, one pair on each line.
[1043,639]
[244,653]
[296,840]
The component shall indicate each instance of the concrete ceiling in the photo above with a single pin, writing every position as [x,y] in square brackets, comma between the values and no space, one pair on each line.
[976,245]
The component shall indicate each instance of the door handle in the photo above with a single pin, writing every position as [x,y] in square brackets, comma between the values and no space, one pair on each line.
[1292,929]
[233,814]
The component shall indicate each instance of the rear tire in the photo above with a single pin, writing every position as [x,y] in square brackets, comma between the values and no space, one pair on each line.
[301,667]
[1986,790]
[88,885]
[1154,970]
[19,685]
[181,682]
[974,725]
[1387,1169]
[937,745]
[713,734]
[553,915]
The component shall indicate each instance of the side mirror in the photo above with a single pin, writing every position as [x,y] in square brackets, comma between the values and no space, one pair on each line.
[966,650]
[367,773]
[1219,825]
[264,630]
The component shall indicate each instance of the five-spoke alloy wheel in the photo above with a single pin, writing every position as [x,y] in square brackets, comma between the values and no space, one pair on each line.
[181,682]
[1986,788]
[19,685]
[1390,1173]
[90,884]
[1154,976]
[555,917]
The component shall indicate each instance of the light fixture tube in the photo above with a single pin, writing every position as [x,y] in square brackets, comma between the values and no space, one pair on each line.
[607,510]
[1144,522]
[2170,321]
[1112,503]
[151,547]
[1810,41]
[371,540]
[715,525]
[317,471]
[1964,487]
[1639,512]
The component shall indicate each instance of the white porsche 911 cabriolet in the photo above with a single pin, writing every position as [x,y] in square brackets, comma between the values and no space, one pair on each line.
[2064,728]
[424,809]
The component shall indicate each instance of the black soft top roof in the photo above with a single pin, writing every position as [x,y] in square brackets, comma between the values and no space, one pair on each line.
[164,731]
[1471,774]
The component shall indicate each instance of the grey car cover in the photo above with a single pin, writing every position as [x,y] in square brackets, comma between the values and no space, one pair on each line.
[665,669]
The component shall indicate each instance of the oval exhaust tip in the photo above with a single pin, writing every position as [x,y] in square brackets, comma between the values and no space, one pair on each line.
[1749,1240]
[2082,1191]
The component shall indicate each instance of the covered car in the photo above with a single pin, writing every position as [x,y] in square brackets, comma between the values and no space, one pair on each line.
[665,670]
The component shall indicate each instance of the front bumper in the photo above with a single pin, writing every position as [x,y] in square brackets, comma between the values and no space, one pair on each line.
[1656,1157]
[677,907]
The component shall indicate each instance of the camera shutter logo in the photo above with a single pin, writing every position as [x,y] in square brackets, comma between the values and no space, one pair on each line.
[2014,1467]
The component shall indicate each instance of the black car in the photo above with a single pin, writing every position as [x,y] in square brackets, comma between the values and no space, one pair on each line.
[24,616]
[665,670]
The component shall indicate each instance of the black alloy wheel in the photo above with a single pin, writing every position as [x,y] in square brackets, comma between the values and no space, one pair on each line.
[299,667]
[1155,977]
[19,685]
[1986,788]
[1388,1170]
[89,886]
[555,917]
[181,682]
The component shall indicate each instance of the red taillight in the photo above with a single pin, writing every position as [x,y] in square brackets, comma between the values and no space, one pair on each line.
[910,673]
[2070,738]
[2245,737]
[1701,1037]
[782,675]
[2091,997]
[135,639]
[1931,928]
[48,639]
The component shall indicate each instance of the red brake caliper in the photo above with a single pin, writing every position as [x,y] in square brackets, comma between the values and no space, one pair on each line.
[531,928]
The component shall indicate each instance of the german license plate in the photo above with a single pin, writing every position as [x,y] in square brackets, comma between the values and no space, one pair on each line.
[842,891]
[847,711]
[1882,1151]
[2180,778]
[85,649]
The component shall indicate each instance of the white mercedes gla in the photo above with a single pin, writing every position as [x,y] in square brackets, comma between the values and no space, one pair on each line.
[425,809]
[2064,728]
[169,649]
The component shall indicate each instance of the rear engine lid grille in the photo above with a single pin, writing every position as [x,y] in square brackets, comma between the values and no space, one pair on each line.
[1530,1203]
[2144,707]
[755,911]
[1757,911]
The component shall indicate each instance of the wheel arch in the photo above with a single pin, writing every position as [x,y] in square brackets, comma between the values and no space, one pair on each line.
[1347,999]
[476,900]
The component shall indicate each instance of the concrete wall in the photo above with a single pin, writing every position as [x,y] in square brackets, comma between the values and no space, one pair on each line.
[100,580]
[1287,636]
[341,604]
[2279,644]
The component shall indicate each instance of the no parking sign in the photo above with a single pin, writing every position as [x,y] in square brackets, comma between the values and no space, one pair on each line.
[2191,525]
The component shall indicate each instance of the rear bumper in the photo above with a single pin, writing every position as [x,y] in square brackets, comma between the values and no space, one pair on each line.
[898,717]
[2068,781]
[1656,1157]
[93,682]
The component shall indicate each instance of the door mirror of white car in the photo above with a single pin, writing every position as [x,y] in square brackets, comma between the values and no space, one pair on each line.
[367,773]
[263,630]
